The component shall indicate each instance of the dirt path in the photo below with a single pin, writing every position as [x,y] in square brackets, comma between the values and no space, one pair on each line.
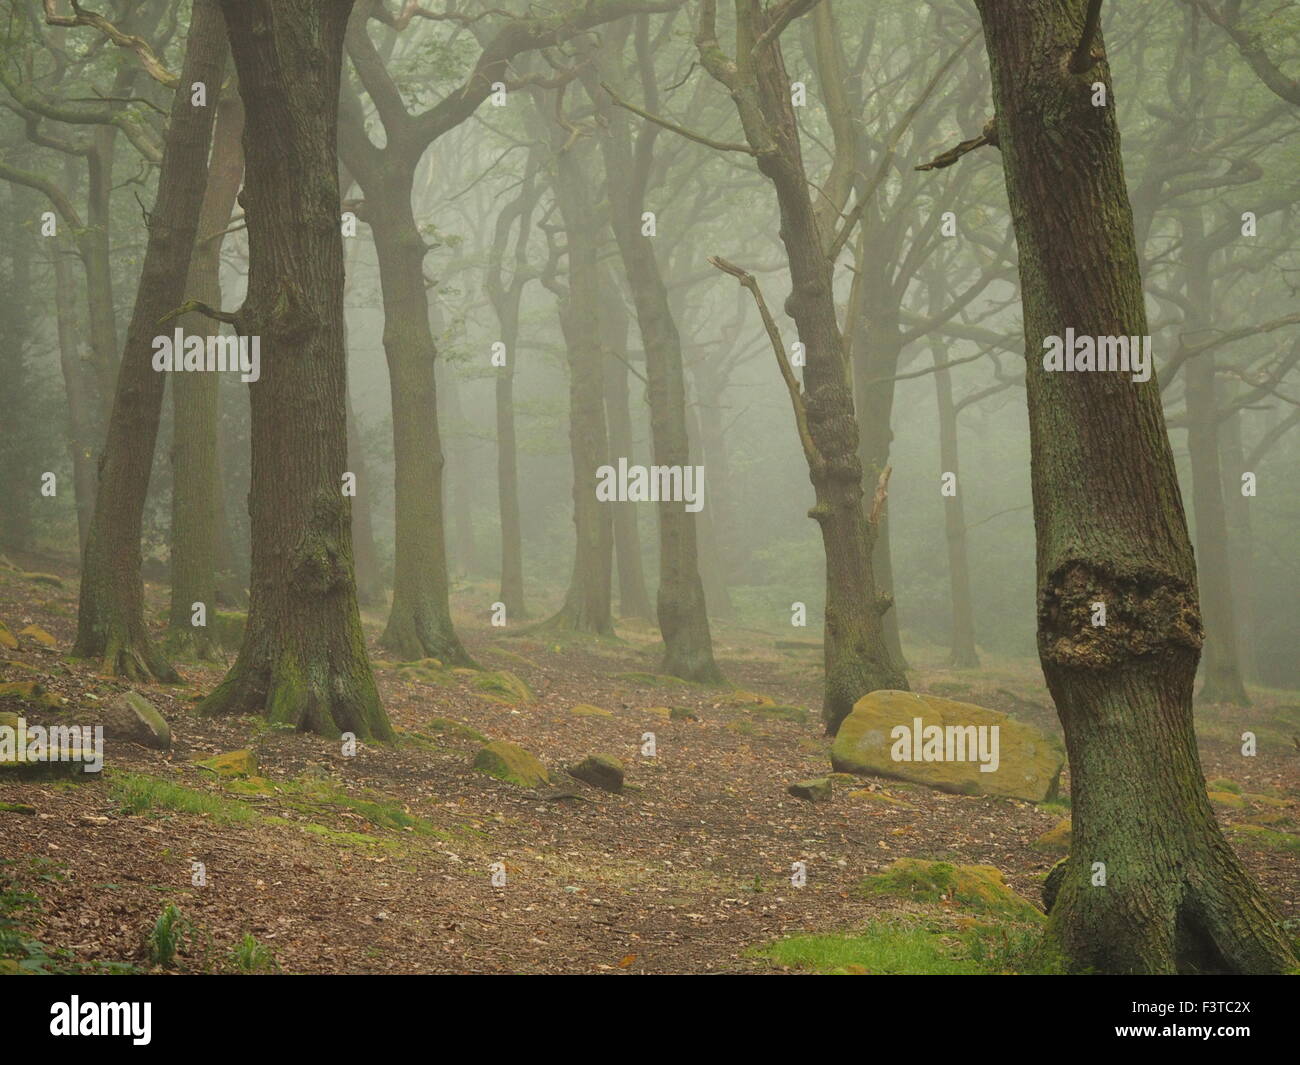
[683,872]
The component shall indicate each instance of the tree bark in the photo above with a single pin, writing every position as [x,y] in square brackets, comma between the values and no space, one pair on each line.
[110,622]
[1110,527]
[303,661]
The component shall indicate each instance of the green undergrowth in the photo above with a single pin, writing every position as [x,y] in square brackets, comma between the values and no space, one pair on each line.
[140,794]
[920,949]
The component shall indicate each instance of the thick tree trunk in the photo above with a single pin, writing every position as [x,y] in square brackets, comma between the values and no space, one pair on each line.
[197,513]
[1241,543]
[1110,529]
[633,598]
[110,623]
[1220,670]
[419,622]
[303,661]
[19,444]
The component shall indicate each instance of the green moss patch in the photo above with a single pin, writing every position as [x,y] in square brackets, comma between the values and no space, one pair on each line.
[976,888]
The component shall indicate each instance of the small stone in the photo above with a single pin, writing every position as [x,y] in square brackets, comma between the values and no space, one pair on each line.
[133,718]
[600,771]
[815,790]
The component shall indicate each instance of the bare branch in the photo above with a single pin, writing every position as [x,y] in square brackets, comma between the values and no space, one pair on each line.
[1083,60]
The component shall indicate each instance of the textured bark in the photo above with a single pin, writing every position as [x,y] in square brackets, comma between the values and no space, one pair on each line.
[110,622]
[680,606]
[197,513]
[633,598]
[1220,670]
[1110,527]
[303,661]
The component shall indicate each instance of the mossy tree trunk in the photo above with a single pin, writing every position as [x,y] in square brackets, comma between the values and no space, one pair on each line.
[1110,528]
[303,661]
[110,621]
[197,513]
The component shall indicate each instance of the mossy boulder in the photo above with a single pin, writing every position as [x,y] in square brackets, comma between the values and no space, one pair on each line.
[1229,799]
[600,771]
[1028,762]
[7,637]
[740,699]
[511,763]
[50,580]
[659,711]
[815,790]
[30,691]
[682,713]
[975,888]
[1056,840]
[587,710]
[231,764]
[503,687]
[38,635]
[132,717]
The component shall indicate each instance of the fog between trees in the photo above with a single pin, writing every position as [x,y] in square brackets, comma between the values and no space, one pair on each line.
[792,266]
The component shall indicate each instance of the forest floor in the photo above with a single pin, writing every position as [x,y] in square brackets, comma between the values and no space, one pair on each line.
[383,862]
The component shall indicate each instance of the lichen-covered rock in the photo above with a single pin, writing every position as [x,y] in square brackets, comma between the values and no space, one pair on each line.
[600,771]
[231,765]
[133,718]
[977,888]
[816,790]
[503,687]
[1056,840]
[39,635]
[587,710]
[30,691]
[946,745]
[511,763]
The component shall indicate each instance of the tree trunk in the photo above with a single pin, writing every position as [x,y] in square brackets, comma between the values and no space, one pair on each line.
[1110,528]
[586,605]
[680,606]
[962,640]
[82,407]
[303,661]
[419,622]
[110,623]
[633,598]
[370,587]
[1220,670]
[197,513]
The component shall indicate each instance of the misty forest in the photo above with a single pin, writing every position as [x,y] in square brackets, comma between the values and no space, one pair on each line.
[649,486]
